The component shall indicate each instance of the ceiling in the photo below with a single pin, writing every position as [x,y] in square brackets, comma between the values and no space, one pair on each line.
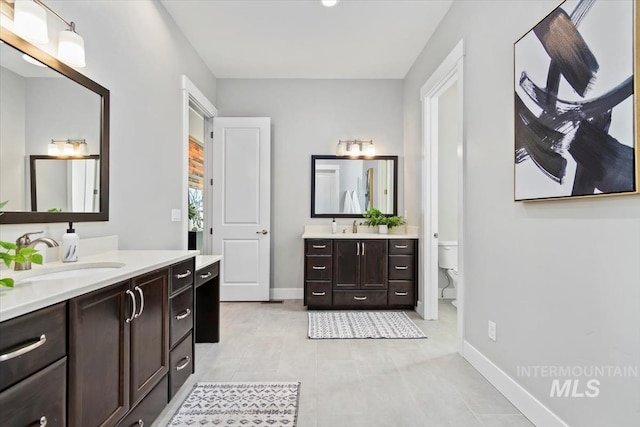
[356,39]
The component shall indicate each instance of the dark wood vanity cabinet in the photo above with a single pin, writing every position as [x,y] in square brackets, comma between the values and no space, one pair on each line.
[33,368]
[360,273]
[118,348]
[182,312]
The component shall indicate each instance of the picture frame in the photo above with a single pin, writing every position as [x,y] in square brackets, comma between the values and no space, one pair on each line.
[575,103]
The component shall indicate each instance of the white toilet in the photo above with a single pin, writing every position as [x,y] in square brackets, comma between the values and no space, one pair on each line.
[448,261]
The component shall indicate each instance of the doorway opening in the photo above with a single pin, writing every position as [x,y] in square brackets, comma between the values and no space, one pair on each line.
[197,119]
[443,190]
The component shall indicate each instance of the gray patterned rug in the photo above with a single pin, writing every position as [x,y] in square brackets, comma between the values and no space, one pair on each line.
[362,324]
[272,404]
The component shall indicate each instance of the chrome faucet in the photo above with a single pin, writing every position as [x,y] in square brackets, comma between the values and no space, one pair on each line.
[25,242]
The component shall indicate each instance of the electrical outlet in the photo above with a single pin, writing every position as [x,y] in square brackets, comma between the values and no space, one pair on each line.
[492,330]
[176,215]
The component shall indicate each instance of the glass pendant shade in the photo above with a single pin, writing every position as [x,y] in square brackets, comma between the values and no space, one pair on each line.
[71,48]
[371,149]
[30,21]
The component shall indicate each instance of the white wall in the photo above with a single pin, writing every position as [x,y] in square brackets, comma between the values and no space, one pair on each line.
[309,117]
[561,278]
[12,137]
[135,50]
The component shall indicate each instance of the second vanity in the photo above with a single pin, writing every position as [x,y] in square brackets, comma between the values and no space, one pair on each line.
[104,349]
[360,270]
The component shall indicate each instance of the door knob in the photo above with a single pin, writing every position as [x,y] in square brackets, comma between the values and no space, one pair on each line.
[263,232]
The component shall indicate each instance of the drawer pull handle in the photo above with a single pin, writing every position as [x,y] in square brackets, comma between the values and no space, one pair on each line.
[183,275]
[206,275]
[318,294]
[401,267]
[183,315]
[319,246]
[319,267]
[187,359]
[140,423]
[26,349]
[43,421]
[357,298]
[137,288]
[402,294]
[134,309]
[402,246]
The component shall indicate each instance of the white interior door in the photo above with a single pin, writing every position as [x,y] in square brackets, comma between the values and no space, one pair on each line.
[241,206]
[327,188]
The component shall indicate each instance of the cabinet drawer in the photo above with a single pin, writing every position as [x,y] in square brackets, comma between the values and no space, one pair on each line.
[41,399]
[318,247]
[182,275]
[401,293]
[401,267]
[29,343]
[359,298]
[180,365]
[318,293]
[207,273]
[149,408]
[181,312]
[401,247]
[318,267]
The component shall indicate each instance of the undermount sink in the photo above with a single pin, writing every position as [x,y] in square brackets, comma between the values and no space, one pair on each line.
[73,271]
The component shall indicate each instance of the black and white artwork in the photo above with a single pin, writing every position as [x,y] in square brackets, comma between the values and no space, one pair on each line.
[574,103]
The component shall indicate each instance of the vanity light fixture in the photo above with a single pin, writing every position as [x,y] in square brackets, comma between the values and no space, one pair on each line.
[68,147]
[30,23]
[329,3]
[355,148]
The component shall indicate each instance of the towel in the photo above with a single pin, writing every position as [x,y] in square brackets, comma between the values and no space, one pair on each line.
[348,203]
[356,203]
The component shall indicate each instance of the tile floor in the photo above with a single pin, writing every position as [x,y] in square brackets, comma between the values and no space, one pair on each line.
[352,383]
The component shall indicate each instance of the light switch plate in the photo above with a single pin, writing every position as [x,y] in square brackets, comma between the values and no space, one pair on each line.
[492,331]
[176,215]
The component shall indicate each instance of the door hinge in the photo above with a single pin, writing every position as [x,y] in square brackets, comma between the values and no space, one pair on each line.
[211,231]
[211,135]
[211,182]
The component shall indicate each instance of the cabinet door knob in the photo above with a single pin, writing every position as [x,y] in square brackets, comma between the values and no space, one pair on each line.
[183,315]
[137,288]
[263,232]
[186,359]
[183,275]
[26,349]
[134,309]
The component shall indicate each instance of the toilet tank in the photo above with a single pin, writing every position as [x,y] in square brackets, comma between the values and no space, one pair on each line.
[448,254]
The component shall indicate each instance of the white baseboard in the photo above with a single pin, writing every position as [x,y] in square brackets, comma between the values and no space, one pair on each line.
[526,403]
[286,293]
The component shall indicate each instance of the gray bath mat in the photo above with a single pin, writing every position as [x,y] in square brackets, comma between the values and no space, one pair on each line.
[362,324]
[273,404]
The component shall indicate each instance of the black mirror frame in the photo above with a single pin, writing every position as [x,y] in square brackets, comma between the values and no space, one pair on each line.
[328,157]
[27,217]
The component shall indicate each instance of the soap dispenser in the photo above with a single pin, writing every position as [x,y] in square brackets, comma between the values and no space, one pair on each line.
[70,242]
[334,226]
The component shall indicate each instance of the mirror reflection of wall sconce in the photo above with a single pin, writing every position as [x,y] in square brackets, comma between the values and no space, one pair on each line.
[68,147]
[30,22]
[355,148]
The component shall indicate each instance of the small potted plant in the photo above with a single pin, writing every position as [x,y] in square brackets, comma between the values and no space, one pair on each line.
[12,254]
[375,218]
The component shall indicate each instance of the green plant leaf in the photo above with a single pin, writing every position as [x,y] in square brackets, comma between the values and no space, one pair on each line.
[8,245]
[26,252]
[7,282]
[6,258]
[36,258]
[19,258]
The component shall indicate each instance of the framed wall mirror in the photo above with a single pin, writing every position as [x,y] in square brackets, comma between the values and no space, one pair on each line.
[41,100]
[345,187]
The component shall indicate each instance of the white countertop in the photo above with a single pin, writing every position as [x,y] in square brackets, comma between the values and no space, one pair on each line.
[324,232]
[205,260]
[26,297]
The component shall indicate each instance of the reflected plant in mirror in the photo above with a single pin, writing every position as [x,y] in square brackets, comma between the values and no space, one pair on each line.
[346,187]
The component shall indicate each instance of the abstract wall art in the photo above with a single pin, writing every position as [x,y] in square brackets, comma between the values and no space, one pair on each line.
[575,109]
